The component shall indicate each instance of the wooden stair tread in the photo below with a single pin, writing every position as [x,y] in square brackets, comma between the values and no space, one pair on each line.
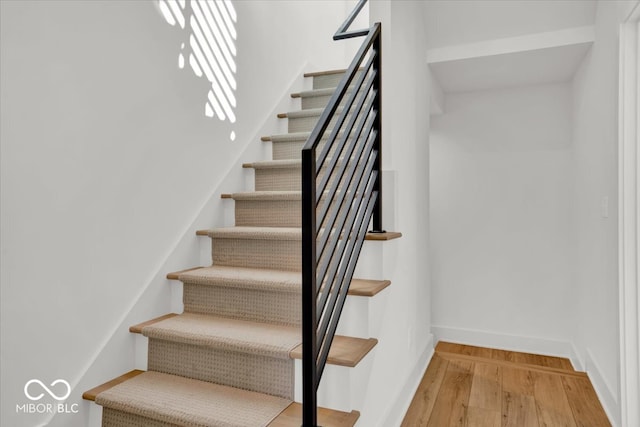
[387,235]
[309,112]
[313,93]
[345,351]
[358,287]
[274,164]
[292,417]
[324,73]
[91,394]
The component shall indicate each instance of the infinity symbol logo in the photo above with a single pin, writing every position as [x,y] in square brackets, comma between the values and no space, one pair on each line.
[52,394]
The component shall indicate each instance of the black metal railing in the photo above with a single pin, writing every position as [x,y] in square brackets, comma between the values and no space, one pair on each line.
[341,192]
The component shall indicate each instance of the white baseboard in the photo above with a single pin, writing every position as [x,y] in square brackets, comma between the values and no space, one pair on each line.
[509,342]
[608,398]
[396,413]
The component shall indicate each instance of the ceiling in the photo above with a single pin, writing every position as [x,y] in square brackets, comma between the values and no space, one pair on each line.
[548,57]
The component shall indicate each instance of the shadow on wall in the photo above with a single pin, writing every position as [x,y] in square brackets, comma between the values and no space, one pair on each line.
[210,30]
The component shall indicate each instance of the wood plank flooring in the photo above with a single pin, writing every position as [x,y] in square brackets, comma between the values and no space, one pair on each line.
[471,386]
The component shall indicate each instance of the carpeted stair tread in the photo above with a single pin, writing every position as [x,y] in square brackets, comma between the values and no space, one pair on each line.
[256,233]
[247,278]
[294,137]
[264,279]
[265,195]
[256,338]
[345,350]
[314,93]
[186,402]
[282,233]
[274,164]
[310,112]
[94,392]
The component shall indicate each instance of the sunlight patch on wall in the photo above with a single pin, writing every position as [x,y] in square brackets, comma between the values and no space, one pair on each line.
[210,46]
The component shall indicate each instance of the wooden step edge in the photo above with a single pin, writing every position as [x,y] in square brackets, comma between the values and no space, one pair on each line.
[176,274]
[94,392]
[282,115]
[387,235]
[296,95]
[515,365]
[137,329]
[202,233]
[345,351]
[367,287]
[226,196]
[292,417]
[265,138]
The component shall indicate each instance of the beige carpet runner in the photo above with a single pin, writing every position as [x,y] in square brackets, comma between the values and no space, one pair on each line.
[226,360]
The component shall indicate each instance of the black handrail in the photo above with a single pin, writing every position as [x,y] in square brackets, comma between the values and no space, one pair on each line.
[341,192]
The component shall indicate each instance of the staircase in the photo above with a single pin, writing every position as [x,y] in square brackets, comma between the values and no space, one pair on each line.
[230,358]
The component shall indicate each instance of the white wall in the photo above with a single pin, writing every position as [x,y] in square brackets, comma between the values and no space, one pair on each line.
[500,215]
[595,127]
[107,161]
[403,310]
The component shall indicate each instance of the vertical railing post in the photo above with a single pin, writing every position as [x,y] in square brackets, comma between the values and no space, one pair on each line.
[309,292]
[377,126]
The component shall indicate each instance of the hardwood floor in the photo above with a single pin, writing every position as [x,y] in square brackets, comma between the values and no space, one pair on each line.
[471,386]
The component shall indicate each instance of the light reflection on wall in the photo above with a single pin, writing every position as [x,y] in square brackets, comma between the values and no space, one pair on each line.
[210,31]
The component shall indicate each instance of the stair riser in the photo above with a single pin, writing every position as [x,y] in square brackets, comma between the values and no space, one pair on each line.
[115,418]
[281,179]
[306,124]
[257,253]
[292,150]
[242,370]
[308,102]
[257,213]
[268,213]
[329,80]
[243,304]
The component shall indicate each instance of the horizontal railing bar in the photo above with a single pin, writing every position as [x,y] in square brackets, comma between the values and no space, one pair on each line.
[365,150]
[342,30]
[331,223]
[358,116]
[336,183]
[355,135]
[351,34]
[348,276]
[338,285]
[330,263]
[332,106]
[325,312]
[347,111]
[328,275]
[324,152]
